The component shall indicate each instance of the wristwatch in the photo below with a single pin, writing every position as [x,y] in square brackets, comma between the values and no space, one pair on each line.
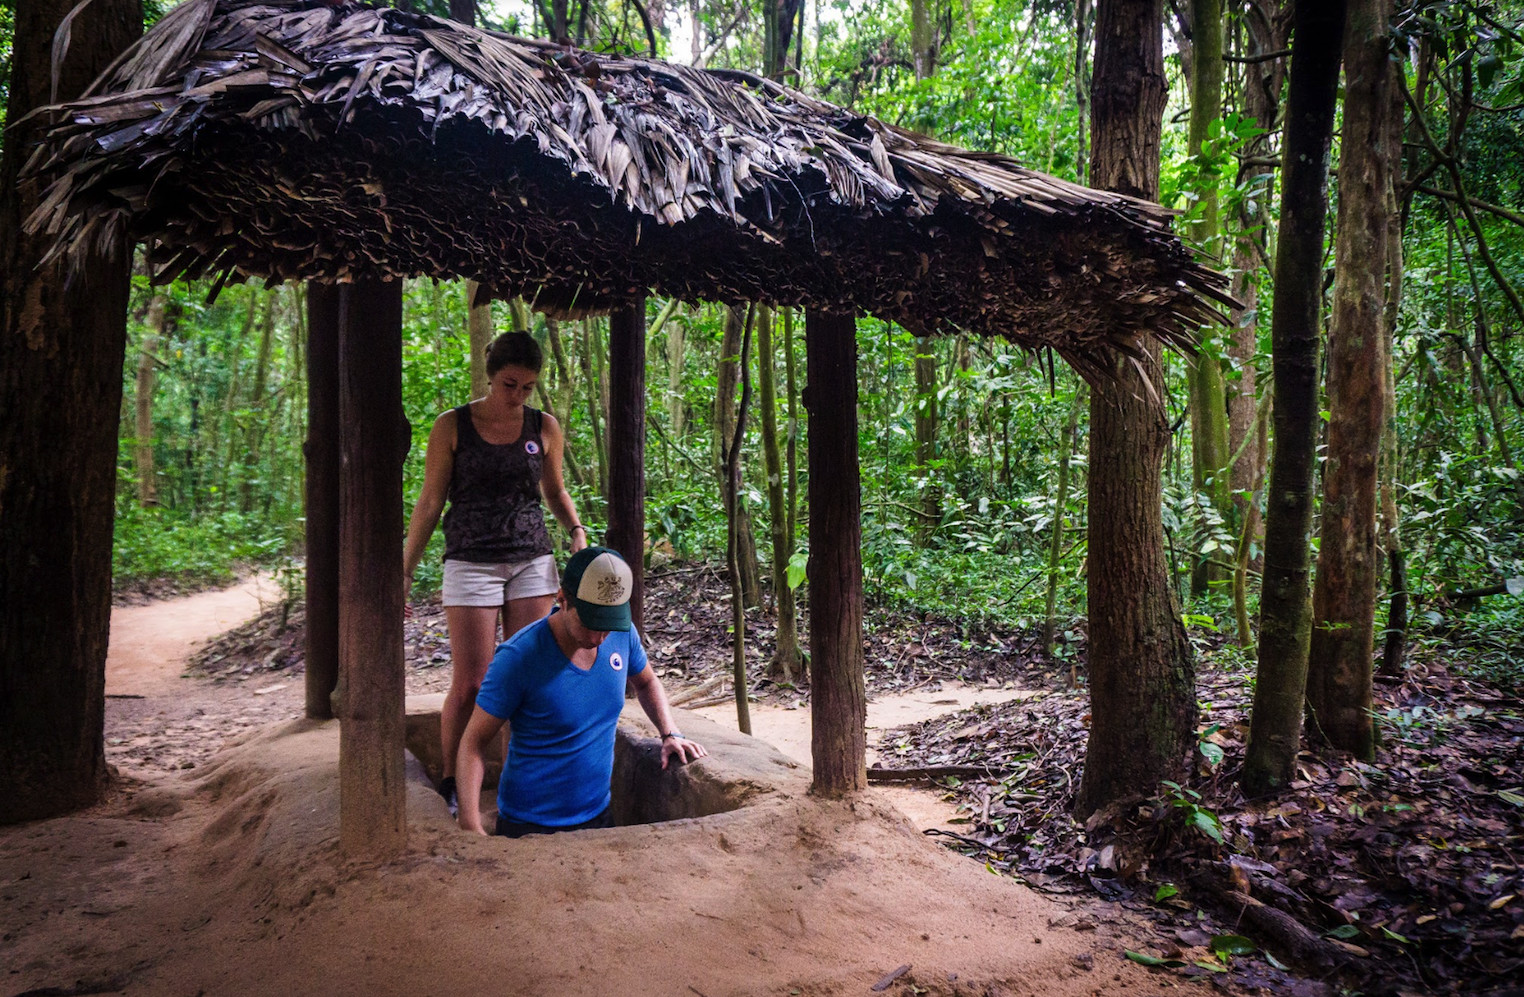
[674,733]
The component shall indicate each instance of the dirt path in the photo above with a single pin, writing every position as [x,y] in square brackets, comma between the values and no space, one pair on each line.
[787,728]
[151,643]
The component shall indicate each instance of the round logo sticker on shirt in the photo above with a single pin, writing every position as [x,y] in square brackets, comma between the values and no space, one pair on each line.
[616,660]
[531,447]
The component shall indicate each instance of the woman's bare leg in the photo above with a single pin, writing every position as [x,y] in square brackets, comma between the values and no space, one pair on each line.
[519,613]
[473,636]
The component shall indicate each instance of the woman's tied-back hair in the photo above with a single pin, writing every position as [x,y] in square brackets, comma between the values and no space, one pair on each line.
[516,349]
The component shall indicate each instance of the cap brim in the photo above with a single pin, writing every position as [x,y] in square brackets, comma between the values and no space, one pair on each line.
[610,618]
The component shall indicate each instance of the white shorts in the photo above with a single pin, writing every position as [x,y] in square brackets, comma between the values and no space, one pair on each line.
[469,584]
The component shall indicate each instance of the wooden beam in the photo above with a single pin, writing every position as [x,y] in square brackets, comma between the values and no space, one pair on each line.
[322,507]
[838,700]
[627,443]
[372,444]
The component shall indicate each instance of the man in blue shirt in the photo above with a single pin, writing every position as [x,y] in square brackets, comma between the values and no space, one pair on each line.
[559,683]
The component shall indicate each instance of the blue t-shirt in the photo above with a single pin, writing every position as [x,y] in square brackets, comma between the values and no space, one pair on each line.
[561,751]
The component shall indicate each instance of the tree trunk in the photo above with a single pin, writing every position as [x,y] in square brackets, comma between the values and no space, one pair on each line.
[922,47]
[478,334]
[1264,32]
[786,656]
[1142,681]
[727,378]
[1084,23]
[373,442]
[594,406]
[253,429]
[1209,405]
[62,350]
[627,444]
[322,506]
[148,489]
[1285,611]
[731,459]
[1395,642]
[1056,543]
[1349,561]
[838,698]
[676,342]
[926,435]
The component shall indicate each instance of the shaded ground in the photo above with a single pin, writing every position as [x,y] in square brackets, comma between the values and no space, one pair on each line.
[1407,869]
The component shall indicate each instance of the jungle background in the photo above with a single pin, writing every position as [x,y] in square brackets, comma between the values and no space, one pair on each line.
[974,453]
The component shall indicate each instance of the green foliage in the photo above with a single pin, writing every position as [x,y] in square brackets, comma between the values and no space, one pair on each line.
[154,544]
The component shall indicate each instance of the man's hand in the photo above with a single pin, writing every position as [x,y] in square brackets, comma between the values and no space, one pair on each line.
[682,749]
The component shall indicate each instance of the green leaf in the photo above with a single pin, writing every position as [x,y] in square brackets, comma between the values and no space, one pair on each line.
[1389,933]
[797,566]
[1232,945]
[1165,891]
[1344,932]
[1212,753]
[1215,967]
[1510,797]
[1208,825]
[1144,959]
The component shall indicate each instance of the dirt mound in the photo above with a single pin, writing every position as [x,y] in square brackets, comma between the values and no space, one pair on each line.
[230,882]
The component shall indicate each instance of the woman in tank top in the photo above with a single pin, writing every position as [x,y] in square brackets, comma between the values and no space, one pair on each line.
[492,460]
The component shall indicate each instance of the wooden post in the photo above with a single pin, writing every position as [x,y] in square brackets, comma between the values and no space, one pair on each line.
[372,443]
[839,702]
[322,453]
[627,443]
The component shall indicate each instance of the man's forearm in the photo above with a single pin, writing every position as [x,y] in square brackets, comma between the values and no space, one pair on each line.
[469,769]
[653,699]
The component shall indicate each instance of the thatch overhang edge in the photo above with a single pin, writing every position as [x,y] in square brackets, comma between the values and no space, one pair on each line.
[715,184]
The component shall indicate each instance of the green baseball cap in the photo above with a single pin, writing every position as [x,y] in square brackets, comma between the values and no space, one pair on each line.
[599,584]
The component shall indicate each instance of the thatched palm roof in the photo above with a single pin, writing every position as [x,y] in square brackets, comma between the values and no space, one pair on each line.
[291,139]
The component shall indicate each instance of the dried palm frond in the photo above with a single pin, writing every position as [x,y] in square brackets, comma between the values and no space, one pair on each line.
[290,139]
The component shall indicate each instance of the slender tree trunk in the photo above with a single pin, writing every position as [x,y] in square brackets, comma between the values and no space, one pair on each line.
[727,378]
[62,349]
[148,489]
[1250,528]
[478,334]
[734,551]
[1395,638]
[1142,675]
[594,405]
[1060,503]
[791,454]
[1209,406]
[838,696]
[926,407]
[677,333]
[1349,563]
[786,656]
[258,413]
[373,439]
[1084,23]
[1264,33]
[1285,609]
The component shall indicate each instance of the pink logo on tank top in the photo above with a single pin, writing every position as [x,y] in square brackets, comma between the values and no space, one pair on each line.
[531,447]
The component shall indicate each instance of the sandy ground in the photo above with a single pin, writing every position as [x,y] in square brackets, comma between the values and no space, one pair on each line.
[214,869]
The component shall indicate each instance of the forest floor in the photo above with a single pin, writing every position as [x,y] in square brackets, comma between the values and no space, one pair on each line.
[1400,877]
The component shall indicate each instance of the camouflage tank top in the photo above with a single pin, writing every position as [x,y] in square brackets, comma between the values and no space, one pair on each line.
[495,514]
